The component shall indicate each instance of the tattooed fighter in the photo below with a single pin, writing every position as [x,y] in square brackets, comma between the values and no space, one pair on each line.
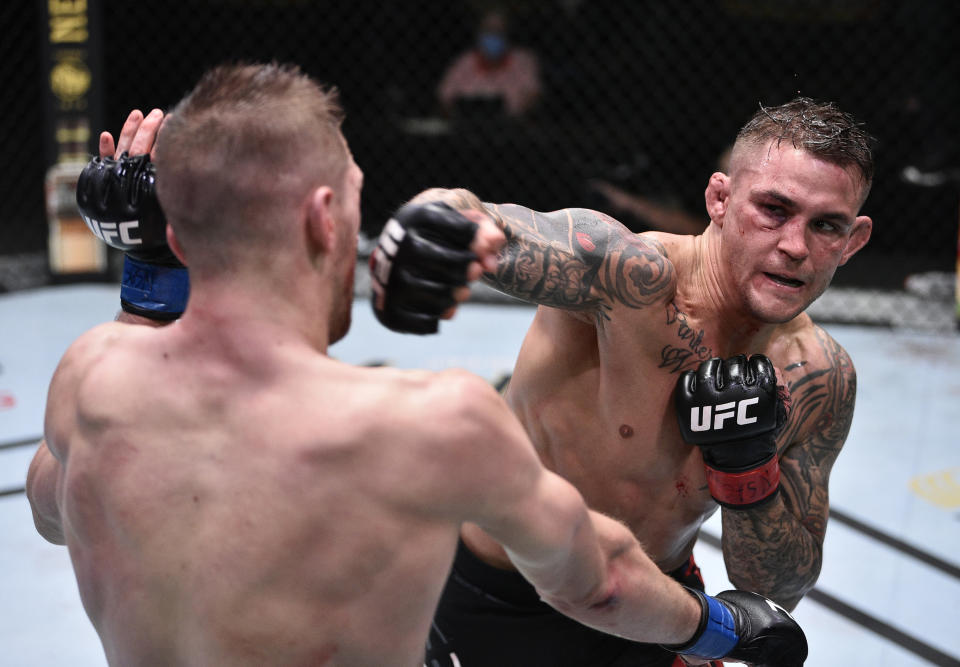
[623,363]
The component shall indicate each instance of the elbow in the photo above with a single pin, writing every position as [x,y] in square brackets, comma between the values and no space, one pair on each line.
[597,604]
[49,529]
[786,591]
[603,598]
[41,486]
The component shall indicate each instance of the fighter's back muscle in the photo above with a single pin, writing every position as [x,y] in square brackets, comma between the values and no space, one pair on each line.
[272,479]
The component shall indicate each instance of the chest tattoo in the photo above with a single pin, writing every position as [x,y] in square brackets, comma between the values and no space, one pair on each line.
[690,350]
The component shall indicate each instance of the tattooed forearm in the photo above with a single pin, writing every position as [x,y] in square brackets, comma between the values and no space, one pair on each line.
[778,551]
[771,553]
[577,259]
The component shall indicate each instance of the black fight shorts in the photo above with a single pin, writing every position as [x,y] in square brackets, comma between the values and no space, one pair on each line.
[488,617]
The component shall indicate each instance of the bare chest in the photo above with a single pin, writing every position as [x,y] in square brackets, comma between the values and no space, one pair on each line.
[612,431]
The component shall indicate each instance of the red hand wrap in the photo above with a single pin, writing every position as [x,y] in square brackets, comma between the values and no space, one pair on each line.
[741,490]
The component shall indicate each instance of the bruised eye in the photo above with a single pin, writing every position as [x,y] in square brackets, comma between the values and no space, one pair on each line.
[774,211]
[825,226]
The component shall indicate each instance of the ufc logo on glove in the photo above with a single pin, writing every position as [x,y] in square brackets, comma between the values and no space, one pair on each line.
[115,233]
[700,417]
[732,410]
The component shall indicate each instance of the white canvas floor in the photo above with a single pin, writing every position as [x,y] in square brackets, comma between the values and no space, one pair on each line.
[889,593]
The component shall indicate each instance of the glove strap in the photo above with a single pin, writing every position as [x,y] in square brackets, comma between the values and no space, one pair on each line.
[717,634]
[154,291]
[744,490]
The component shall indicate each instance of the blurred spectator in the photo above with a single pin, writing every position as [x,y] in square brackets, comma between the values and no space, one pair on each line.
[653,213]
[493,76]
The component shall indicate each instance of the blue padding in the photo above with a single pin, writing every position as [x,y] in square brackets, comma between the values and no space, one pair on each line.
[720,636]
[154,288]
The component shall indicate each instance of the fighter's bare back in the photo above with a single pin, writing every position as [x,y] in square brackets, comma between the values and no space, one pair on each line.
[236,565]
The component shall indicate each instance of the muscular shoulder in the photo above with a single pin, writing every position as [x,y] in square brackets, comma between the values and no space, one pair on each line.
[822,382]
[679,249]
[83,355]
[459,435]
[805,349]
[460,410]
[88,349]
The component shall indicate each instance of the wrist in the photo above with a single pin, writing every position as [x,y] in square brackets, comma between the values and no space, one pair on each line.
[152,290]
[716,635]
[744,489]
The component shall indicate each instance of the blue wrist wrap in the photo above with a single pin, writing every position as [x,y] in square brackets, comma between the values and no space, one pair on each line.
[720,634]
[153,290]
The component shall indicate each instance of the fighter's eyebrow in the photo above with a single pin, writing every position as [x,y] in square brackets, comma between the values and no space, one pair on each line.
[780,197]
[830,216]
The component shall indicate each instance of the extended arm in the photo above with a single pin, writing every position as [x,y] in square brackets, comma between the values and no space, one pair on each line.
[777,549]
[575,259]
[591,567]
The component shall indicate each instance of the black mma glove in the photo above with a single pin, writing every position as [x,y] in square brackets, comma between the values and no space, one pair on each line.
[745,626]
[118,201]
[732,410]
[421,257]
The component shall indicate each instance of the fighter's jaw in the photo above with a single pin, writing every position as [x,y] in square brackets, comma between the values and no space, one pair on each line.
[777,297]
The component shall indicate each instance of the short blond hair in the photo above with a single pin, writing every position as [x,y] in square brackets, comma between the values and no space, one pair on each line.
[242,148]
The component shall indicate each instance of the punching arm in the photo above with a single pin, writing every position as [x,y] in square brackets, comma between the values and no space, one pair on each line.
[573,259]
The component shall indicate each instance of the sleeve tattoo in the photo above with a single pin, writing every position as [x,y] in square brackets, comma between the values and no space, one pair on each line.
[781,552]
[577,259]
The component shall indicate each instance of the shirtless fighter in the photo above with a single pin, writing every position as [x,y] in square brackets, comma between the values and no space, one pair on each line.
[231,495]
[622,318]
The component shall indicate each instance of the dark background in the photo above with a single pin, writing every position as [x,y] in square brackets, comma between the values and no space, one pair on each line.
[643,93]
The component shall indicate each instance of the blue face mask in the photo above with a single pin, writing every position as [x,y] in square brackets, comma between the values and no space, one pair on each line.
[492,44]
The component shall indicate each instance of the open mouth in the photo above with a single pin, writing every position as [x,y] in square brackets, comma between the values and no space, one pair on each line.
[783,280]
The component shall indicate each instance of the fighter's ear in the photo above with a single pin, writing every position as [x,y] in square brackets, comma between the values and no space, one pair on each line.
[174,244]
[320,222]
[859,235]
[717,195]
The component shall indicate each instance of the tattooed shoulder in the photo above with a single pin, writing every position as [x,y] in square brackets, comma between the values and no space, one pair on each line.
[651,240]
[578,259]
[823,391]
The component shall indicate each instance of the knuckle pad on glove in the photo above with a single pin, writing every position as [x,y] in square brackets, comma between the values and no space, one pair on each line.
[417,295]
[426,258]
[422,258]
[406,322]
[712,411]
[439,222]
[708,374]
[734,371]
